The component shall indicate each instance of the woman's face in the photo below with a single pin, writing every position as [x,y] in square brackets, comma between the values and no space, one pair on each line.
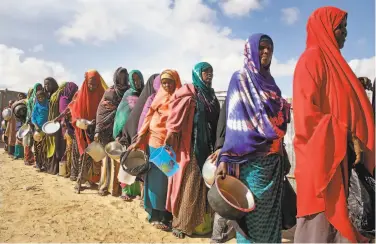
[39,88]
[340,33]
[137,81]
[123,78]
[92,84]
[41,98]
[168,85]
[48,86]
[265,53]
[207,76]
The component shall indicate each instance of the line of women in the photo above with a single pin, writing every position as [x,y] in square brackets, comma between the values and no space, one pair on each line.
[330,106]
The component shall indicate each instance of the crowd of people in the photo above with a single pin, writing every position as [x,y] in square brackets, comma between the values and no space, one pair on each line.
[244,137]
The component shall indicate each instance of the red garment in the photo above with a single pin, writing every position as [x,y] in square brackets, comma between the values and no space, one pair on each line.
[180,121]
[329,102]
[85,104]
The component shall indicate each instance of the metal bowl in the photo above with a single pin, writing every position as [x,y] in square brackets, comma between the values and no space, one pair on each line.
[3,124]
[50,127]
[208,172]
[114,150]
[7,114]
[23,131]
[38,136]
[230,198]
[83,124]
[135,162]
[96,151]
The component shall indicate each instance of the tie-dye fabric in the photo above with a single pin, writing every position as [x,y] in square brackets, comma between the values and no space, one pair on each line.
[257,115]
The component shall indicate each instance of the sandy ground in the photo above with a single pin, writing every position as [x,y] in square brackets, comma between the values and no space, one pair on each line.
[37,207]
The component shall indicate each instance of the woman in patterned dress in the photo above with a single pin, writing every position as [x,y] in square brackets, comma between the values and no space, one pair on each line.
[257,118]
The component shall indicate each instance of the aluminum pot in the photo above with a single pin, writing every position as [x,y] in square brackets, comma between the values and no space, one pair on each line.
[38,136]
[230,198]
[83,124]
[135,162]
[114,150]
[208,172]
[7,114]
[96,151]
[3,124]
[23,131]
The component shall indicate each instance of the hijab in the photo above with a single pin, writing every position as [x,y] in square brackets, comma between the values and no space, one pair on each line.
[40,111]
[131,126]
[85,103]
[256,113]
[31,100]
[127,103]
[109,103]
[66,95]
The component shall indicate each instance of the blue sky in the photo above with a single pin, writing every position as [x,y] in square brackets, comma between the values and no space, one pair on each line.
[63,38]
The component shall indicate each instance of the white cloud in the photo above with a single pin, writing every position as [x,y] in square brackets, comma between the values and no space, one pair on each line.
[37,48]
[239,7]
[364,67]
[20,73]
[166,37]
[290,15]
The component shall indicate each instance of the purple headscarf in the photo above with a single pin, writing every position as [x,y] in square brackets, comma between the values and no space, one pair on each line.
[256,113]
[156,86]
[66,95]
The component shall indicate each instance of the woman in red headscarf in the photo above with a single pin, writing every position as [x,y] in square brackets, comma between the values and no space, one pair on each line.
[84,106]
[333,120]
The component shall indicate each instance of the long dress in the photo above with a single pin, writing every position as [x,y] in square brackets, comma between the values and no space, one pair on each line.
[154,130]
[331,108]
[104,128]
[187,192]
[55,143]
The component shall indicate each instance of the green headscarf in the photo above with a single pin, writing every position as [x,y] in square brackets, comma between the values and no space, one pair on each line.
[205,90]
[131,81]
[127,103]
[207,112]
[31,101]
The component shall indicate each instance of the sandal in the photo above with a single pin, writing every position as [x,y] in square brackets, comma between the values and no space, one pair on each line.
[102,193]
[126,198]
[162,226]
[178,233]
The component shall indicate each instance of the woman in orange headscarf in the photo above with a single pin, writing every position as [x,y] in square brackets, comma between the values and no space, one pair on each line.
[153,134]
[84,106]
[331,111]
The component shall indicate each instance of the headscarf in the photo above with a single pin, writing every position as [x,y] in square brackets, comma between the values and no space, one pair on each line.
[207,94]
[40,112]
[136,116]
[149,101]
[85,103]
[108,105]
[127,103]
[54,87]
[66,95]
[206,115]
[329,105]
[160,105]
[257,115]
[31,100]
